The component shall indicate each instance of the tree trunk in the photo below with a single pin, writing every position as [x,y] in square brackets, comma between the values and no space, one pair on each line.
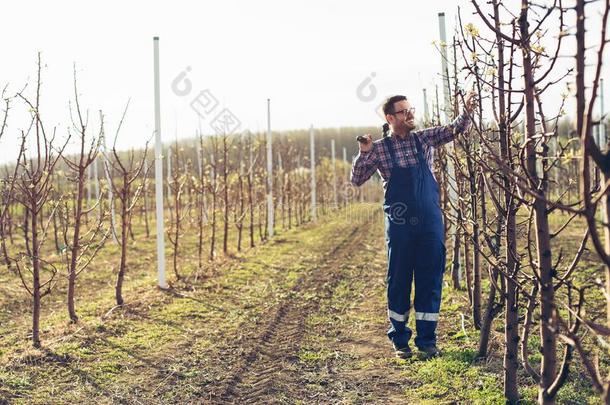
[488,318]
[213,233]
[145,207]
[124,225]
[75,248]
[35,276]
[543,243]
[225,175]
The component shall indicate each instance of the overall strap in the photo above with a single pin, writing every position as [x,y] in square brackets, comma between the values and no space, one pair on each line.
[420,151]
[388,144]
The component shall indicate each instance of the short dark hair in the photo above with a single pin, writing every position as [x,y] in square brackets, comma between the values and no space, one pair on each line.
[388,106]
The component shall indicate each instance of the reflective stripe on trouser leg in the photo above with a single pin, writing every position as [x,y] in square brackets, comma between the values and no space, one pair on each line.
[426,316]
[399,280]
[395,316]
[429,268]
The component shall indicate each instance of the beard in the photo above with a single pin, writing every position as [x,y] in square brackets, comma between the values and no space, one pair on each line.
[407,125]
[404,127]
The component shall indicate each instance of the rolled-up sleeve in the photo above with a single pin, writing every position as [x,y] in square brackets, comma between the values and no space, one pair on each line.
[437,136]
[364,166]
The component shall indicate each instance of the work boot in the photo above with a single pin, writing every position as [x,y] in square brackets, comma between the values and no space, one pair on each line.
[403,352]
[429,352]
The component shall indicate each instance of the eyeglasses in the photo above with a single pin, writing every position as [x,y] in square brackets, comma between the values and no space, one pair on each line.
[405,111]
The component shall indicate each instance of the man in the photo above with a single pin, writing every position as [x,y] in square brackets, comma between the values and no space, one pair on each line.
[413,219]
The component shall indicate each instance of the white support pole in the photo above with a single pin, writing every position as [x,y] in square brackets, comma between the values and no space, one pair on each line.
[312,148]
[96,179]
[109,181]
[426,112]
[111,202]
[198,149]
[212,166]
[332,152]
[280,174]
[251,166]
[269,173]
[346,175]
[159,173]
[250,153]
[447,104]
[452,186]
[89,178]
[444,66]
[438,105]
[169,172]
[242,162]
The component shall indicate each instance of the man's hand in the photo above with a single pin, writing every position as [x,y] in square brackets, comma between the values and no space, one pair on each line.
[367,145]
[470,102]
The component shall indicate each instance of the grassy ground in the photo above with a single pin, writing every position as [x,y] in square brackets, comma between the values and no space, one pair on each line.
[348,359]
[300,319]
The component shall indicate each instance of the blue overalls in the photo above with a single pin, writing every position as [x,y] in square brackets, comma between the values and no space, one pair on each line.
[416,248]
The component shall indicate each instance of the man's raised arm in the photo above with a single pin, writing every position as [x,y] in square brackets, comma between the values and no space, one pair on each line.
[437,136]
[365,163]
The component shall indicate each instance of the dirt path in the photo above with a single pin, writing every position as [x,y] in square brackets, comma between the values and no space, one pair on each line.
[275,366]
[268,369]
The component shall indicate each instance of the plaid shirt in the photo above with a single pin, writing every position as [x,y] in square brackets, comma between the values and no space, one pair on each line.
[379,158]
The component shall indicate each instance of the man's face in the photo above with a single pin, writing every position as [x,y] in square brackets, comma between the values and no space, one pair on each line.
[403,119]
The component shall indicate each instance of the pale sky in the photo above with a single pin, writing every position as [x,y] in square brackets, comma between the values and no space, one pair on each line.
[308,57]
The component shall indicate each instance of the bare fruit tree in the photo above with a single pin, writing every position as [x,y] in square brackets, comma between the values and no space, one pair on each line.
[81,245]
[34,186]
[123,173]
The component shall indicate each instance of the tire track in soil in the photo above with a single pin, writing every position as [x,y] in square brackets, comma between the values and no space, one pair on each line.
[258,378]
